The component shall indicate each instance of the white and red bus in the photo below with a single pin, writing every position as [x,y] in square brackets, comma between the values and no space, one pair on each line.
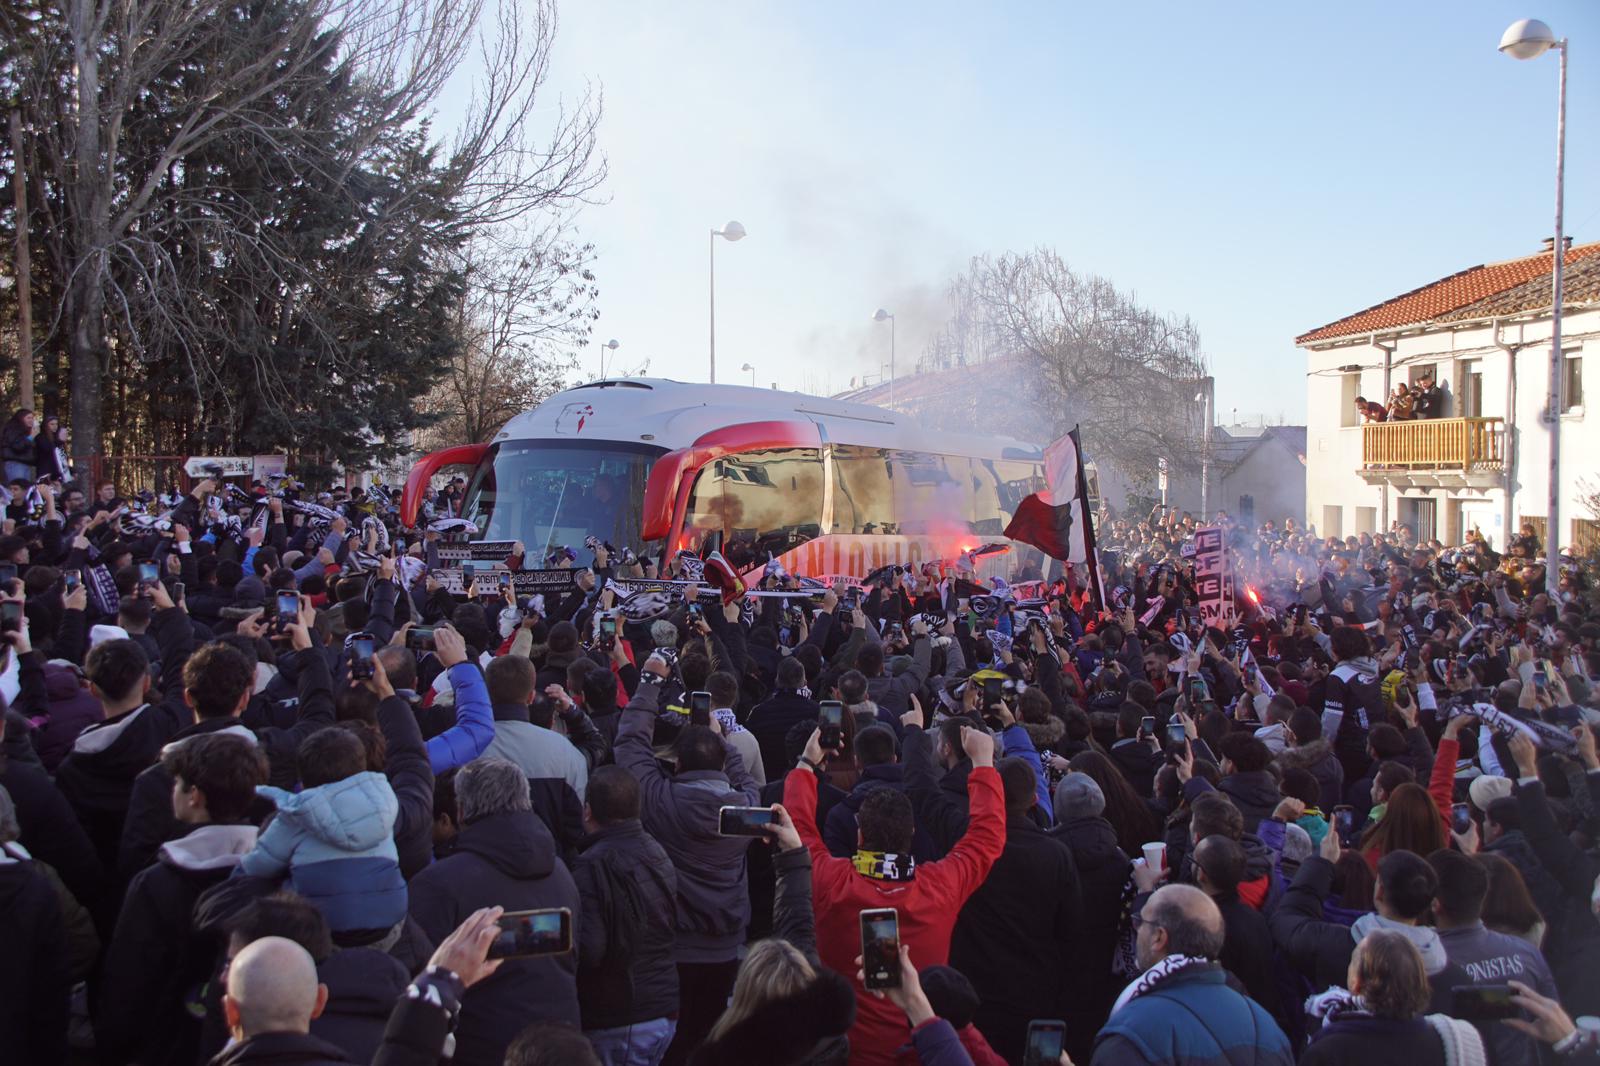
[826,487]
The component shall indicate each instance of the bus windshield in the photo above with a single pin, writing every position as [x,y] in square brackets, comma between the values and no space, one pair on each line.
[551,493]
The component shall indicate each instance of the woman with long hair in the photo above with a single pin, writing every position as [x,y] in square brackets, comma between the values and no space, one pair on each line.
[16,445]
[1411,822]
[50,450]
[1136,824]
[1509,908]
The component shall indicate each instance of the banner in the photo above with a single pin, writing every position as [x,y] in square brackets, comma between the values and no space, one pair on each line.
[523,582]
[1213,576]
[484,551]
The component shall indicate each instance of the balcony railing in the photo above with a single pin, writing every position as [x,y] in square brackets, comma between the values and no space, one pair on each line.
[1465,444]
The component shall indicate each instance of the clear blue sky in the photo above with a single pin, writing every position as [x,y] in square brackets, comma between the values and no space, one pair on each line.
[1262,168]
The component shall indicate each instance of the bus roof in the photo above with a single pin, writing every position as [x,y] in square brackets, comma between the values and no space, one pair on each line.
[674,414]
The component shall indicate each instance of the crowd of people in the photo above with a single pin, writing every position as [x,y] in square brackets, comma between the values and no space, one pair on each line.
[1409,401]
[277,787]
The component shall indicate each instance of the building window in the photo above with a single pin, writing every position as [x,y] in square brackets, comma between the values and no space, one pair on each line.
[1471,389]
[1366,519]
[1572,384]
[1349,389]
[1332,520]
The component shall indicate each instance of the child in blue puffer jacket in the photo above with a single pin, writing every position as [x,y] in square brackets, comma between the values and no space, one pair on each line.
[335,837]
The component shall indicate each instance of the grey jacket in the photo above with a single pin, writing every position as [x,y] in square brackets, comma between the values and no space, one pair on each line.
[1480,956]
[893,694]
[681,812]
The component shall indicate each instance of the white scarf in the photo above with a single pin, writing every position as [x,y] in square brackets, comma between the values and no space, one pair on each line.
[1152,977]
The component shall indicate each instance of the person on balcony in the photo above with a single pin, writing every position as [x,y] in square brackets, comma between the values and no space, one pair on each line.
[1402,405]
[1369,411]
[1429,398]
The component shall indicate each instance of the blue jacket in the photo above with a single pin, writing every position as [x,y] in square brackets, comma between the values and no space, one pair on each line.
[474,728]
[336,842]
[1194,1019]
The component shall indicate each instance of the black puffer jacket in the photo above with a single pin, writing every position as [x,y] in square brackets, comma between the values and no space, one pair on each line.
[363,984]
[34,988]
[625,940]
[1255,793]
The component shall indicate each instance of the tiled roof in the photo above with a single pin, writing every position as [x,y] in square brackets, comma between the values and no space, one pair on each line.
[1447,295]
[1579,285]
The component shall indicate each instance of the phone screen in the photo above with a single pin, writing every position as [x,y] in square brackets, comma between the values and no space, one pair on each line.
[362,646]
[1147,725]
[699,708]
[993,690]
[148,573]
[1176,734]
[11,615]
[744,821]
[1460,817]
[831,720]
[608,627]
[1483,1003]
[420,638]
[288,607]
[8,572]
[543,932]
[1344,823]
[73,577]
[880,948]
[1045,1043]
[505,579]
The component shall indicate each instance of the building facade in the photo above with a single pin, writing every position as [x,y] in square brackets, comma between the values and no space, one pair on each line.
[1483,335]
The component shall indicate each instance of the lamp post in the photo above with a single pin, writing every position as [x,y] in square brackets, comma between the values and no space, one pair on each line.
[752,370]
[611,346]
[1529,39]
[733,231]
[880,315]
[1204,396]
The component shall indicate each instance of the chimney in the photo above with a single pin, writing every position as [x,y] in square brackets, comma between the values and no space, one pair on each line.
[1549,244]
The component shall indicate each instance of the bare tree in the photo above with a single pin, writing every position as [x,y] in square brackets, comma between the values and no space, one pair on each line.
[525,311]
[1089,354]
[131,101]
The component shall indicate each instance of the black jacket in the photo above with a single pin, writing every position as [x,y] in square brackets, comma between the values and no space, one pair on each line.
[1103,870]
[1375,1042]
[1139,763]
[1255,794]
[839,827]
[34,987]
[507,860]
[51,831]
[363,984]
[411,776]
[758,860]
[1318,758]
[629,894]
[802,1029]
[1014,936]
[771,721]
[1572,938]
[1247,952]
[282,1049]
[1320,950]
[938,800]
[156,960]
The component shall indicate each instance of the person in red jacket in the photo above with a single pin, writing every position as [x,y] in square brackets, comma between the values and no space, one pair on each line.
[881,874]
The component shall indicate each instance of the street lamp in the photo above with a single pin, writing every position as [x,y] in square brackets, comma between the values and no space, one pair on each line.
[1529,39]
[752,370]
[611,345]
[1207,386]
[733,231]
[881,315]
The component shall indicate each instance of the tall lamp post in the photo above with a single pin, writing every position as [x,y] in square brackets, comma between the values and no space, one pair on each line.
[752,370]
[880,315]
[1529,39]
[609,346]
[1204,397]
[733,231]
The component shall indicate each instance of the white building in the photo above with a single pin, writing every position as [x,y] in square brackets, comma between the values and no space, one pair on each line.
[1484,335]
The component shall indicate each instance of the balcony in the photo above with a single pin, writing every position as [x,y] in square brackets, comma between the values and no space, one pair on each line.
[1434,453]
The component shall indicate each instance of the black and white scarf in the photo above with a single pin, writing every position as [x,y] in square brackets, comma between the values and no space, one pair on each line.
[1151,978]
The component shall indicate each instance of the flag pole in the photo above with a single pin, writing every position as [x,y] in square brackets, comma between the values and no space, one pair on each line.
[1090,551]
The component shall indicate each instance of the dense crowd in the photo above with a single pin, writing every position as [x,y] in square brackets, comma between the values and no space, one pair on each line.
[273,793]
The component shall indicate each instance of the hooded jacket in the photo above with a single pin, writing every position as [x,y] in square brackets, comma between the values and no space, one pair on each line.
[928,903]
[681,812]
[771,721]
[1255,793]
[1320,949]
[1480,956]
[156,961]
[839,827]
[72,709]
[507,860]
[801,1029]
[336,843]
[1375,1042]
[34,986]
[1317,757]
[51,831]
[363,984]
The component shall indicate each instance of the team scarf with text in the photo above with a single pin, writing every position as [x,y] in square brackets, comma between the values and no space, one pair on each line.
[884,865]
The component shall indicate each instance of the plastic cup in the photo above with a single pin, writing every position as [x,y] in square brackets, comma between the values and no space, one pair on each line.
[1155,854]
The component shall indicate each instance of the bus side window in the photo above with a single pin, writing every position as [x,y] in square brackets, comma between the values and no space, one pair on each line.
[863,497]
